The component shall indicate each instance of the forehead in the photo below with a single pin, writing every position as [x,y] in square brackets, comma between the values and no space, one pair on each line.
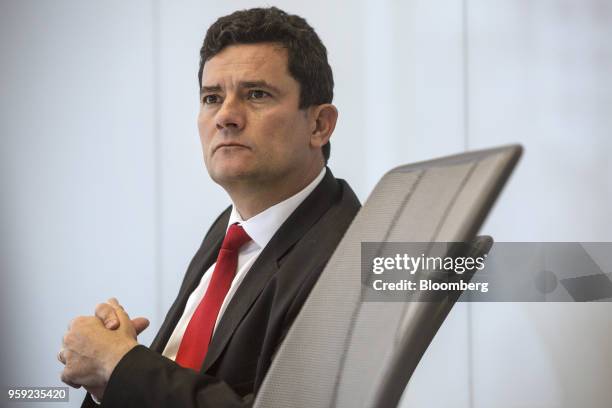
[262,61]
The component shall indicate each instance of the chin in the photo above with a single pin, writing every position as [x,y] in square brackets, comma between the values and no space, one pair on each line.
[230,173]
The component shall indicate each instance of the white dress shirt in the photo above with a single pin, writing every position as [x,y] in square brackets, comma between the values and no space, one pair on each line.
[261,228]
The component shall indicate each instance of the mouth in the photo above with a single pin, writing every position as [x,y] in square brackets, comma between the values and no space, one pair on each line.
[229,145]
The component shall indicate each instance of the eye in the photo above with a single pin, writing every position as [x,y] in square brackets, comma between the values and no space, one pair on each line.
[257,94]
[210,99]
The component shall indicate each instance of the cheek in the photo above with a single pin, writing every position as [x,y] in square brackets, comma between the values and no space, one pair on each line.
[205,130]
[201,124]
[283,131]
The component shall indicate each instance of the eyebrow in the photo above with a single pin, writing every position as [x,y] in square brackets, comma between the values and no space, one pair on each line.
[242,84]
[211,88]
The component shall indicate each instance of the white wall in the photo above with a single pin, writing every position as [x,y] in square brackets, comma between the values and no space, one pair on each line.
[76,173]
[537,73]
[104,192]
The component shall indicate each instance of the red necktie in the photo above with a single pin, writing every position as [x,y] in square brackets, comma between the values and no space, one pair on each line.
[194,344]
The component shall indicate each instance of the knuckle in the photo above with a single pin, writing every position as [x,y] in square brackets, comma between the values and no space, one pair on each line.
[76,321]
[114,301]
[66,376]
[68,339]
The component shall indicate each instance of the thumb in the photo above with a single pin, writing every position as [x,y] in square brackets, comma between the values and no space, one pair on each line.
[140,324]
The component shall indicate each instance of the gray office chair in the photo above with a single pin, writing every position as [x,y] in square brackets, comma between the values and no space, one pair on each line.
[343,351]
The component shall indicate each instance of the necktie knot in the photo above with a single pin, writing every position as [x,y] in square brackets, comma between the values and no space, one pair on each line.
[235,238]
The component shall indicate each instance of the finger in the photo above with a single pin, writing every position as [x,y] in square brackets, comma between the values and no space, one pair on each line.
[106,313]
[60,357]
[65,377]
[75,321]
[140,324]
[66,339]
[120,312]
[114,302]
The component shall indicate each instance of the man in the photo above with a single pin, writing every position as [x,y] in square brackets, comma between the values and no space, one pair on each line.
[265,122]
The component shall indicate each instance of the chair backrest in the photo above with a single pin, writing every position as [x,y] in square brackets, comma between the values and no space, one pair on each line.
[343,351]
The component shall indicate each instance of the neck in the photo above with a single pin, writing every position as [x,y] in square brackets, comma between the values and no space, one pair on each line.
[252,198]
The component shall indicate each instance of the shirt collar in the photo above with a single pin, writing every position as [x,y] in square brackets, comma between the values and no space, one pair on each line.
[262,227]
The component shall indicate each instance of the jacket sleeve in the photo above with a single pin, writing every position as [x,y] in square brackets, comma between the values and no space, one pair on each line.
[145,379]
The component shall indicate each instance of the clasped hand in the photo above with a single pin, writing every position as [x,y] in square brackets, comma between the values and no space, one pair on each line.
[93,345]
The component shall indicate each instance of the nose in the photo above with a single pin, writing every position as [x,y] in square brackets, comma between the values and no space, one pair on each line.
[230,115]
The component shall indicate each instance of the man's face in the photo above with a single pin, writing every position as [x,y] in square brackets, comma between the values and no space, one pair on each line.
[250,126]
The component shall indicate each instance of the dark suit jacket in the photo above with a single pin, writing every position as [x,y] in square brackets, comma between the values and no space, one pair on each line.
[256,319]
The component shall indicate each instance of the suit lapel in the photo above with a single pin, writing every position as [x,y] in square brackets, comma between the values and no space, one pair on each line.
[267,264]
[204,258]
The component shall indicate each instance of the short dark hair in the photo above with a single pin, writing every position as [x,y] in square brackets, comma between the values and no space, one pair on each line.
[307,56]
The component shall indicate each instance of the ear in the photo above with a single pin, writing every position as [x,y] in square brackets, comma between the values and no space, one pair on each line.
[324,119]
